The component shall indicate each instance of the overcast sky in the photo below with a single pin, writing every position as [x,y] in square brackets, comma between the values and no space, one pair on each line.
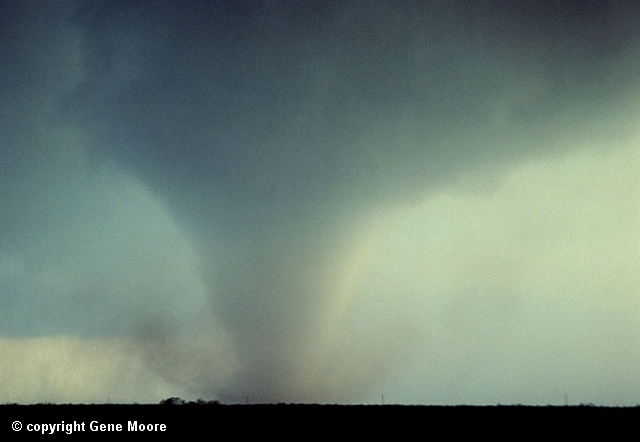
[320,201]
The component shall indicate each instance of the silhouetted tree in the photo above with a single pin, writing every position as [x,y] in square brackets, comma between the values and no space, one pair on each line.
[172,401]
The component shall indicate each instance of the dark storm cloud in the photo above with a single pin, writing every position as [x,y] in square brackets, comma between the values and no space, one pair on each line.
[165,161]
[275,106]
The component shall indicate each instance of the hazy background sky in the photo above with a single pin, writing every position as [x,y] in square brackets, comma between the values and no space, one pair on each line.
[320,201]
